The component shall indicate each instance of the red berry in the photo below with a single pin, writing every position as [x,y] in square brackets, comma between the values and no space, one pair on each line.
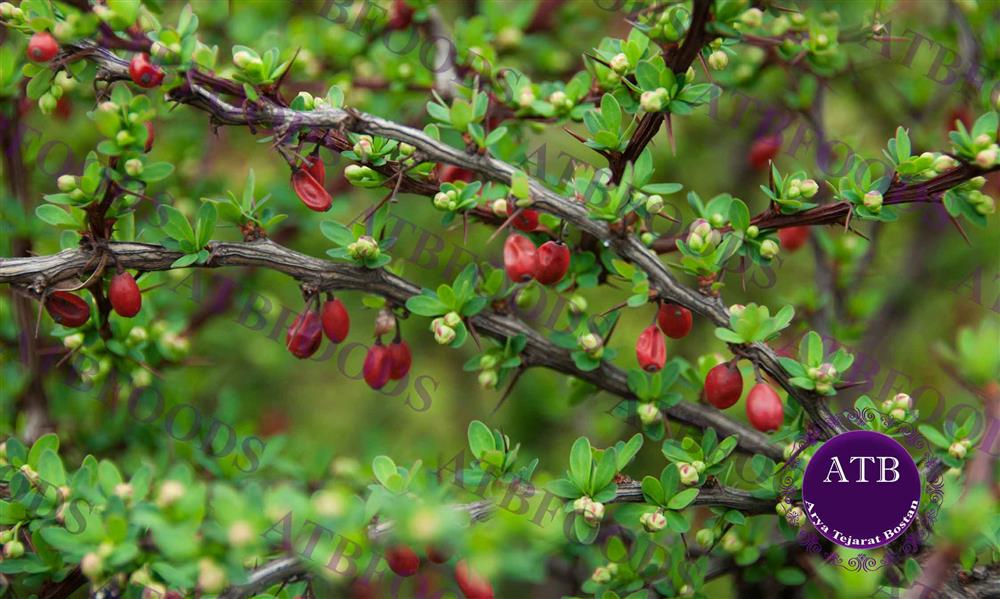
[400,15]
[150,136]
[336,320]
[144,73]
[792,238]
[402,560]
[124,294]
[763,150]
[64,109]
[651,349]
[674,320]
[310,191]
[378,366]
[553,262]
[305,335]
[316,168]
[67,309]
[526,220]
[723,385]
[42,47]
[520,258]
[473,585]
[449,173]
[436,554]
[764,409]
[400,359]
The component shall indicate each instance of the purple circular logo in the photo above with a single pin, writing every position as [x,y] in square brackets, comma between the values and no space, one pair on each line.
[861,489]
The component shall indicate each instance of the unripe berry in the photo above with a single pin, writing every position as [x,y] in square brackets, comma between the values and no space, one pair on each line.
[13,549]
[873,201]
[752,17]
[558,99]
[769,249]
[957,450]
[654,204]
[648,413]
[650,101]
[736,309]
[795,517]
[499,207]
[705,537]
[619,63]
[689,475]
[653,521]
[488,379]
[986,158]
[526,97]
[170,492]
[211,578]
[718,60]
[444,334]
[731,543]
[66,183]
[91,566]
[73,341]
[809,188]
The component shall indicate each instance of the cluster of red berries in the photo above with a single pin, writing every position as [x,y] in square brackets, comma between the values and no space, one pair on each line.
[306,332]
[724,386]
[308,180]
[71,310]
[547,263]
[405,562]
[385,363]
[651,349]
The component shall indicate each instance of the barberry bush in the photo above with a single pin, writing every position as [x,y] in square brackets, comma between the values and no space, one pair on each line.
[542,298]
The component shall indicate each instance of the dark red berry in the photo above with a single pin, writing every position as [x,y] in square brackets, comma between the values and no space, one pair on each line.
[336,320]
[792,238]
[144,73]
[402,560]
[763,150]
[150,136]
[310,191]
[526,220]
[764,409]
[316,168]
[449,173]
[674,320]
[400,15]
[124,294]
[520,258]
[400,359]
[378,366]
[553,262]
[651,349]
[723,385]
[67,309]
[436,554]
[42,47]
[64,109]
[473,585]
[305,335]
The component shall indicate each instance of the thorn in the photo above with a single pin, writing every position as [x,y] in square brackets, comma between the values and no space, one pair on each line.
[958,226]
[507,392]
[670,135]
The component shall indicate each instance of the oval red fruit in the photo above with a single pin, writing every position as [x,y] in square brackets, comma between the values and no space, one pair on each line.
[310,191]
[436,554]
[472,584]
[305,335]
[723,385]
[674,320]
[553,262]
[402,560]
[377,366]
[144,73]
[42,47]
[651,349]
[449,173]
[124,294]
[792,238]
[336,320]
[764,409]
[67,309]
[150,136]
[520,258]
[526,220]
[763,150]
[400,15]
[316,168]
[400,359]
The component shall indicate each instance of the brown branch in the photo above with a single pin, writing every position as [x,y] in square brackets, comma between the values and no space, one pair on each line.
[34,274]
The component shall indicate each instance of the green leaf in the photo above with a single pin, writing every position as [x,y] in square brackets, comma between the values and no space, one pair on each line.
[653,490]
[580,460]
[426,305]
[682,499]
[46,441]
[564,488]
[205,224]
[185,260]
[177,227]
[480,438]
[336,232]
[384,469]
[155,171]
[934,436]
[607,467]
[54,215]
